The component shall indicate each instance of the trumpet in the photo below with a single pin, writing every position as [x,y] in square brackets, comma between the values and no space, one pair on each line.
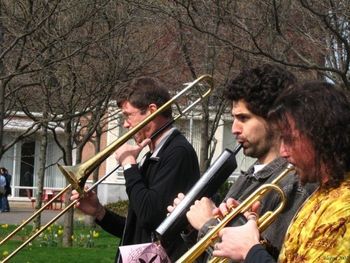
[77,175]
[264,221]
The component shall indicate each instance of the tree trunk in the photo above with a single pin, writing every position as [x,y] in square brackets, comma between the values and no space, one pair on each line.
[41,171]
[90,220]
[2,92]
[68,217]
[204,161]
[205,157]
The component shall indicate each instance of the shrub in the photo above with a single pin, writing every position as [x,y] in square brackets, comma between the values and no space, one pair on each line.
[120,207]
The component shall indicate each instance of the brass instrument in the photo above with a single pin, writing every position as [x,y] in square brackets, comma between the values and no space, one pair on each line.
[264,221]
[78,174]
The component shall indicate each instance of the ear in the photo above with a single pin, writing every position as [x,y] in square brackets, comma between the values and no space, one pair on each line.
[152,108]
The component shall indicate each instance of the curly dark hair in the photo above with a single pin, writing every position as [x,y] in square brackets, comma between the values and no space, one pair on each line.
[143,91]
[259,87]
[321,111]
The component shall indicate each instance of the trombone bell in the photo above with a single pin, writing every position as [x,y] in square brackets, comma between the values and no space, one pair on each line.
[75,176]
[78,174]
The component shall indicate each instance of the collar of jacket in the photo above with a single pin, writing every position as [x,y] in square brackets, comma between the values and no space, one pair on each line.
[277,164]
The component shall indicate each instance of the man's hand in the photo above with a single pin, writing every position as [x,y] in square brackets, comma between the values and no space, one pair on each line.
[225,208]
[127,153]
[237,241]
[176,202]
[89,204]
[200,212]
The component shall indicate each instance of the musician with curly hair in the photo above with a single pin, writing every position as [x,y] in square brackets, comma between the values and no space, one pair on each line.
[252,94]
[314,122]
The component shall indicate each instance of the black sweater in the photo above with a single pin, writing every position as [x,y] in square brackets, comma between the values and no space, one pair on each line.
[151,188]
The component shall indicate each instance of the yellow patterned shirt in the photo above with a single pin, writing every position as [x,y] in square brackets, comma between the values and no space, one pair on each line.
[320,232]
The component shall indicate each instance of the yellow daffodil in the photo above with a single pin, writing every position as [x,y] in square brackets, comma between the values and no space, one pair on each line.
[95,234]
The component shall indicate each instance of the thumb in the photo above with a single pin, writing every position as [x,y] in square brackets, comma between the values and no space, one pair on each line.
[145,142]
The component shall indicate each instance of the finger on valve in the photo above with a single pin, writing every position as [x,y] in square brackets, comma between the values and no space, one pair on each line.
[224,210]
[252,216]
[231,203]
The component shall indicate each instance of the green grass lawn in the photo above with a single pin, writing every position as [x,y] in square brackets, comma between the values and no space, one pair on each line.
[88,246]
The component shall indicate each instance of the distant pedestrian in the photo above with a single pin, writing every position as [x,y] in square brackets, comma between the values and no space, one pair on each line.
[5,189]
[2,188]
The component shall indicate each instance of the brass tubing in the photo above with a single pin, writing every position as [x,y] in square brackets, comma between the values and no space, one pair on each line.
[57,216]
[78,174]
[192,254]
[262,223]
[34,215]
[39,231]
[218,260]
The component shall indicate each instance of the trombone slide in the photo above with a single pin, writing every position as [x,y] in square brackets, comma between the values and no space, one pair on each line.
[78,174]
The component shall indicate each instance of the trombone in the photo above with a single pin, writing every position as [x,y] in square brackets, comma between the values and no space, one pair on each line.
[264,221]
[78,174]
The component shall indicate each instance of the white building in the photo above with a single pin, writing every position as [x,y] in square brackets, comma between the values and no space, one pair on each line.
[22,159]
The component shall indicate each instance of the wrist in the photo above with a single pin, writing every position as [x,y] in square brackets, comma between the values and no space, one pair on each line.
[127,160]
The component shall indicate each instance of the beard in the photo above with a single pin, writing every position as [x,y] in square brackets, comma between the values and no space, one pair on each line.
[257,150]
[306,177]
[262,146]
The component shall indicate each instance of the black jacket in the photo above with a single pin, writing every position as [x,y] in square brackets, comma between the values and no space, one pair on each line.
[151,188]
[258,254]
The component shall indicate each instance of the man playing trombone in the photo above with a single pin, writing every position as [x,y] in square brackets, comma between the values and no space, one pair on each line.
[171,166]
[252,94]
[314,121]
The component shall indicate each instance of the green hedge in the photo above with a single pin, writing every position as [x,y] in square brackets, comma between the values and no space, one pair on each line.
[120,207]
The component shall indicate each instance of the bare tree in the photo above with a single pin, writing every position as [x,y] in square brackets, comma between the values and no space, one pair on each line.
[75,54]
[310,38]
[304,35]
[197,53]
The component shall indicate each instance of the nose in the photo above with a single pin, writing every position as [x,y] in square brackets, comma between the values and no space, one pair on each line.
[236,128]
[126,124]
[284,150]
